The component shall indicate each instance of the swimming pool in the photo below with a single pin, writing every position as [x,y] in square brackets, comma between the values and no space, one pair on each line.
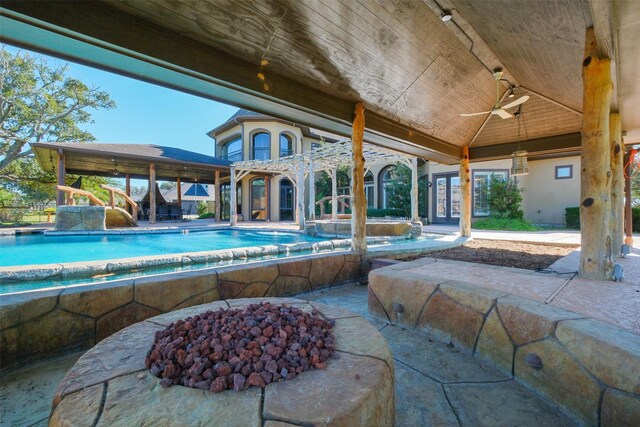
[17,250]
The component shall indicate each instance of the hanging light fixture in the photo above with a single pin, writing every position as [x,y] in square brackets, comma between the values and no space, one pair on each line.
[519,165]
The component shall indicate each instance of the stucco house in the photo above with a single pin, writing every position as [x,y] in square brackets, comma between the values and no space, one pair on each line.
[251,136]
[551,185]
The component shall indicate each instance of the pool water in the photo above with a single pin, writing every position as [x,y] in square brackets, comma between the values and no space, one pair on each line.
[42,249]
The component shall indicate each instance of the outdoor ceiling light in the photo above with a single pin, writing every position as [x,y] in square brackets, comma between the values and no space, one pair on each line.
[446,15]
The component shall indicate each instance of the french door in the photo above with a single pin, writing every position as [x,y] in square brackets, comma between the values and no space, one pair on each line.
[446,197]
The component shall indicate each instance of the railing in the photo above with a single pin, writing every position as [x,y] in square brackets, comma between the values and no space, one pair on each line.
[113,191]
[73,191]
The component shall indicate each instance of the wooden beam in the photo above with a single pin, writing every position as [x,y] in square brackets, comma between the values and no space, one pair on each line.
[300,194]
[358,198]
[595,207]
[312,192]
[60,201]
[628,213]
[233,203]
[548,145]
[152,193]
[179,192]
[216,189]
[617,184]
[414,190]
[267,198]
[465,194]
[102,36]
[334,193]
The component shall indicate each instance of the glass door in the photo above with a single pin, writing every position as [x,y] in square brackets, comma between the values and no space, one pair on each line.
[446,198]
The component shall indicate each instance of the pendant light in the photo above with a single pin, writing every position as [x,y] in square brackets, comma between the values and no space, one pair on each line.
[519,164]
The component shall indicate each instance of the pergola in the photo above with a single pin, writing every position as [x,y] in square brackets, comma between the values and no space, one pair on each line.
[131,161]
[328,157]
[415,65]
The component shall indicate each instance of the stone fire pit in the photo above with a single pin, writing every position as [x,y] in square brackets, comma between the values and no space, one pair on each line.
[109,385]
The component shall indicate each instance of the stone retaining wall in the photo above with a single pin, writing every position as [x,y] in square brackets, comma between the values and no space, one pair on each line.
[40,324]
[589,368]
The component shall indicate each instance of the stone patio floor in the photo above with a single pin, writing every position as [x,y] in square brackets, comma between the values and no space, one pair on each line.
[437,384]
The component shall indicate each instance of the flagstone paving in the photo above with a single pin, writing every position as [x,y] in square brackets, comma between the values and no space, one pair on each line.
[437,384]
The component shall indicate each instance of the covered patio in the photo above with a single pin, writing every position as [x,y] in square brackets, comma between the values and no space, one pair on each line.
[132,161]
[423,70]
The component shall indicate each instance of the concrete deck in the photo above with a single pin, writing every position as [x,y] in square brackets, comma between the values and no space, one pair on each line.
[437,384]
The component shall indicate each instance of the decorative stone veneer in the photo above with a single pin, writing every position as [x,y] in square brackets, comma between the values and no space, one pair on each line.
[81,218]
[109,385]
[39,324]
[589,368]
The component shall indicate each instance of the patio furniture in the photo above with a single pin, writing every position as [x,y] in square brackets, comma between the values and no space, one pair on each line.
[162,212]
[175,212]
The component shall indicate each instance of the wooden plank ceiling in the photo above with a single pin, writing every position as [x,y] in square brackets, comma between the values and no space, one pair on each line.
[414,72]
[400,58]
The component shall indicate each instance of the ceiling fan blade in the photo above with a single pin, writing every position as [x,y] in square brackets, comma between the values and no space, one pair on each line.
[475,114]
[500,112]
[517,102]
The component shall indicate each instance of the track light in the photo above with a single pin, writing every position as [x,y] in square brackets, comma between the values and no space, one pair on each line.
[446,15]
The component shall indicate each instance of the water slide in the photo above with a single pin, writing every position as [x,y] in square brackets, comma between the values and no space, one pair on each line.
[115,217]
[119,218]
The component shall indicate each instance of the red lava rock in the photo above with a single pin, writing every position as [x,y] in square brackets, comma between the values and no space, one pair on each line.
[238,348]
[218,385]
[256,380]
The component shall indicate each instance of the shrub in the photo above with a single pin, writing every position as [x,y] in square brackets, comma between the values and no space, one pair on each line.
[572,218]
[504,199]
[206,215]
[510,224]
[201,209]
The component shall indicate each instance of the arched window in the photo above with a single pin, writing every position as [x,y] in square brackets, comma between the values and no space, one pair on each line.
[258,200]
[386,181]
[260,146]
[232,150]
[287,145]
[286,200]
[368,188]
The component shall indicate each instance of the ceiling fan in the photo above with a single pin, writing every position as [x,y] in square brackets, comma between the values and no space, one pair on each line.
[497,109]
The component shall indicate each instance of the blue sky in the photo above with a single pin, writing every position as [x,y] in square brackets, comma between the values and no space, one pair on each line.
[148,114]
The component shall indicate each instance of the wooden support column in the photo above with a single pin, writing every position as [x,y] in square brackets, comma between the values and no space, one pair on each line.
[127,185]
[628,217]
[334,194]
[300,193]
[152,193]
[179,191]
[312,192]
[233,204]
[358,198]
[414,190]
[465,194]
[595,178]
[267,197]
[216,189]
[60,200]
[127,191]
[617,185]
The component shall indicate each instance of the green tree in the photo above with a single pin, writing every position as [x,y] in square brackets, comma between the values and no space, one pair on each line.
[40,103]
[399,191]
[504,199]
